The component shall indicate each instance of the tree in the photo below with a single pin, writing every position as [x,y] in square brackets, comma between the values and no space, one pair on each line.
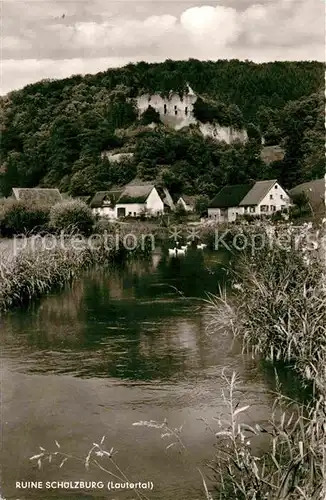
[201,205]
[150,115]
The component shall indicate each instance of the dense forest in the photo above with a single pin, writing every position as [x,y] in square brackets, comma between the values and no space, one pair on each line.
[53,131]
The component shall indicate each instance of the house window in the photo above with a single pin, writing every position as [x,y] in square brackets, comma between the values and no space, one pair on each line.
[275,186]
[135,213]
[270,196]
[129,213]
[273,208]
[186,110]
[121,211]
[165,109]
[281,196]
[175,110]
[252,210]
[264,208]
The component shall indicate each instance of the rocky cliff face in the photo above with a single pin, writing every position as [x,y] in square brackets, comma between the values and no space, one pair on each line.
[177,112]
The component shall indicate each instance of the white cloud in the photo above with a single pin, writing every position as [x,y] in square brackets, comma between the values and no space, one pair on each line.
[209,25]
[269,30]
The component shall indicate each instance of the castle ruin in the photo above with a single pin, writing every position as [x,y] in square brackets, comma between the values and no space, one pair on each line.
[177,112]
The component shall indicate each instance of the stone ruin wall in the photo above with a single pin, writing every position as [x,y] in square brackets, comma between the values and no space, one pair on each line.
[178,113]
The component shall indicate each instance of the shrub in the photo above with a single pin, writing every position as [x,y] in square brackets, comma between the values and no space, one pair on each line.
[72,216]
[201,205]
[104,225]
[180,212]
[18,217]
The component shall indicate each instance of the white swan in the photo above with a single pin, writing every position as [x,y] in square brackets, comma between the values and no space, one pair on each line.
[176,251]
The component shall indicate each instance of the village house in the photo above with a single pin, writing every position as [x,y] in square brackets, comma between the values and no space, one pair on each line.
[187,202]
[103,203]
[256,198]
[39,196]
[136,198]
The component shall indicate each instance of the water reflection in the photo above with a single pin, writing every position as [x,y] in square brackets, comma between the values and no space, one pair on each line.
[119,346]
[142,321]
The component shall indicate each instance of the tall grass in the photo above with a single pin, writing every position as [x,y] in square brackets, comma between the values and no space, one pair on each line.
[39,268]
[292,465]
[278,309]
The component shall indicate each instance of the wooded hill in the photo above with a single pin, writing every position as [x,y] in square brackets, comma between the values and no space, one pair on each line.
[53,132]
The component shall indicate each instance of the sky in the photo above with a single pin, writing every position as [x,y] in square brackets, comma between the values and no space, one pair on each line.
[59,38]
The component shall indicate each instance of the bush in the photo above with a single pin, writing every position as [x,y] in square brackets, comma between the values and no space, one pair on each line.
[201,205]
[18,217]
[104,225]
[72,216]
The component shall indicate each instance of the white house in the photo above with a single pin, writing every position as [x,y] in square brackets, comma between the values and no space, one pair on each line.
[257,199]
[103,203]
[138,199]
[187,202]
[134,199]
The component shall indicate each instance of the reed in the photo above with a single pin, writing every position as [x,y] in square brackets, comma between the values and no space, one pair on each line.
[293,465]
[39,268]
[278,309]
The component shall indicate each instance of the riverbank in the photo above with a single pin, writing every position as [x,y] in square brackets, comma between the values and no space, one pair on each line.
[278,310]
[32,267]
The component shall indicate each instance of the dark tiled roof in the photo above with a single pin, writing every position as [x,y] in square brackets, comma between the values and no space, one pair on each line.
[230,196]
[113,195]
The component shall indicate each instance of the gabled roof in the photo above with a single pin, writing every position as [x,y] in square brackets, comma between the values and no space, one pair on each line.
[113,194]
[314,190]
[230,196]
[259,190]
[42,196]
[165,196]
[136,193]
[189,200]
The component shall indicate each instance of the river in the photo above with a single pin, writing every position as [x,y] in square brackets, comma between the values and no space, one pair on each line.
[116,347]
